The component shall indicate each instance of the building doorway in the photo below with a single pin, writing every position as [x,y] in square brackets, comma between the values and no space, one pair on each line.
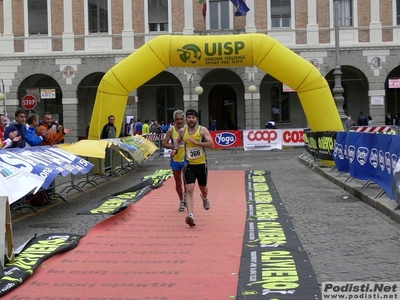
[222,104]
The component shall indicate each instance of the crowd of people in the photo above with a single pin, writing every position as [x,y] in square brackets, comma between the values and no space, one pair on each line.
[154,127]
[30,130]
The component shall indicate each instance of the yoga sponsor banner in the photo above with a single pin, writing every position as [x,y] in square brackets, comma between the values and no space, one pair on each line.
[274,264]
[227,139]
[368,156]
[35,252]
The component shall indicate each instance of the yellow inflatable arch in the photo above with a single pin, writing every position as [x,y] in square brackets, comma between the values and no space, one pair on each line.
[215,51]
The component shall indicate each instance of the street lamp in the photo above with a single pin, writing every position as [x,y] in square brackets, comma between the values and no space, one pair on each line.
[252,89]
[198,89]
[337,73]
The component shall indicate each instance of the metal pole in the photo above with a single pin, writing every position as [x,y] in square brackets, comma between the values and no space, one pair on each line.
[190,90]
[337,73]
[4,96]
[252,112]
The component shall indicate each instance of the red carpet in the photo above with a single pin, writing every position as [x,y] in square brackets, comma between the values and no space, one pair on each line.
[148,252]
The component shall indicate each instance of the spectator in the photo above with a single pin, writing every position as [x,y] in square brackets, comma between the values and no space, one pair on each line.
[138,127]
[146,127]
[213,126]
[270,125]
[164,127]
[32,139]
[132,125]
[370,121]
[56,131]
[19,125]
[109,130]
[87,130]
[348,123]
[155,128]
[388,119]
[12,137]
[362,120]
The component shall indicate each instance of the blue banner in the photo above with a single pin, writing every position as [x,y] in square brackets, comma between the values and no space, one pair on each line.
[46,162]
[368,156]
[14,159]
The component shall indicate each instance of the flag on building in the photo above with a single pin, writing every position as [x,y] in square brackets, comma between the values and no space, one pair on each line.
[204,2]
[241,7]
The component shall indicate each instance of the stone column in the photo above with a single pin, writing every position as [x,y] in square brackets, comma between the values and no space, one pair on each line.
[68,37]
[127,32]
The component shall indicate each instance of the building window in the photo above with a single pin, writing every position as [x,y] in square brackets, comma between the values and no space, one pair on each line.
[219,14]
[345,13]
[165,103]
[158,15]
[38,17]
[398,12]
[280,104]
[98,16]
[281,13]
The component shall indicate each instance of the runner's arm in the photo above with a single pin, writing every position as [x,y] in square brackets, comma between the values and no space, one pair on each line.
[166,140]
[178,141]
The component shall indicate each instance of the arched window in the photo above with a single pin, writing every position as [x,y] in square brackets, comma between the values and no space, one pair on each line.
[165,103]
[280,104]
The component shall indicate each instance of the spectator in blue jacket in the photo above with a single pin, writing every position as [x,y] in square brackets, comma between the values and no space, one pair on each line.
[31,137]
[362,120]
[18,125]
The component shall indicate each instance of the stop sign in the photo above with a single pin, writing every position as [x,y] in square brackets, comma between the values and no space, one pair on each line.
[29,102]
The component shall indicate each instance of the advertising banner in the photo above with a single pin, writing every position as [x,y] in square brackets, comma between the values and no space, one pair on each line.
[369,156]
[293,137]
[46,162]
[262,139]
[227,139]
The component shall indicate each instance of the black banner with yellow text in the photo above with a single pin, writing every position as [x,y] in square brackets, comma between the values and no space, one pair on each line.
[274,264]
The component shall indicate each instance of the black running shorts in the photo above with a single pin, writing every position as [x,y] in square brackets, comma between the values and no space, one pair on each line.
[193,172]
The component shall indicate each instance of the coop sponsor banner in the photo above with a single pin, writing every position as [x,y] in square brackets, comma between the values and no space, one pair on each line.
[370,156]
[227,139]
[262,139]
[293,137]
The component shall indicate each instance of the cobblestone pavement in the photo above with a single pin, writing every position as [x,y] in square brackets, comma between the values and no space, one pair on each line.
[346,239]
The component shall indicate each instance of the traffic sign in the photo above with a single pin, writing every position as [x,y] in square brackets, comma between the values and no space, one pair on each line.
[29,102]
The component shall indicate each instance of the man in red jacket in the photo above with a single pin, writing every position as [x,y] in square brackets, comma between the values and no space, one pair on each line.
[56,133]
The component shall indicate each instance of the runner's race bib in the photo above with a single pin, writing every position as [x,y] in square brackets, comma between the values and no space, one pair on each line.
[194,153]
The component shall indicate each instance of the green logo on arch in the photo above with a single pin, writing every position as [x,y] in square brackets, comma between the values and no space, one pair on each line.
[190,53]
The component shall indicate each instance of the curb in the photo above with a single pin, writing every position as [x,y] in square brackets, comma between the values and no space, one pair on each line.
[368,195]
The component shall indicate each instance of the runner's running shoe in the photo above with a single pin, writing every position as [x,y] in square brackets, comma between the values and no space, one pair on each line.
[190,221]
[206,203]
[182,205]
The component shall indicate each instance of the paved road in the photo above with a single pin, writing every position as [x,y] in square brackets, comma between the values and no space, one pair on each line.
[345,239]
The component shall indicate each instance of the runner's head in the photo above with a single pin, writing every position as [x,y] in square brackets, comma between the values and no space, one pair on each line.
[192,117]
[179,118]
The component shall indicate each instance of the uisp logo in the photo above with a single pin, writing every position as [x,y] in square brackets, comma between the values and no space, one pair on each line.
[225,139]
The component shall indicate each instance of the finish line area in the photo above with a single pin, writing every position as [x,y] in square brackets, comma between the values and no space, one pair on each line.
[242,248]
